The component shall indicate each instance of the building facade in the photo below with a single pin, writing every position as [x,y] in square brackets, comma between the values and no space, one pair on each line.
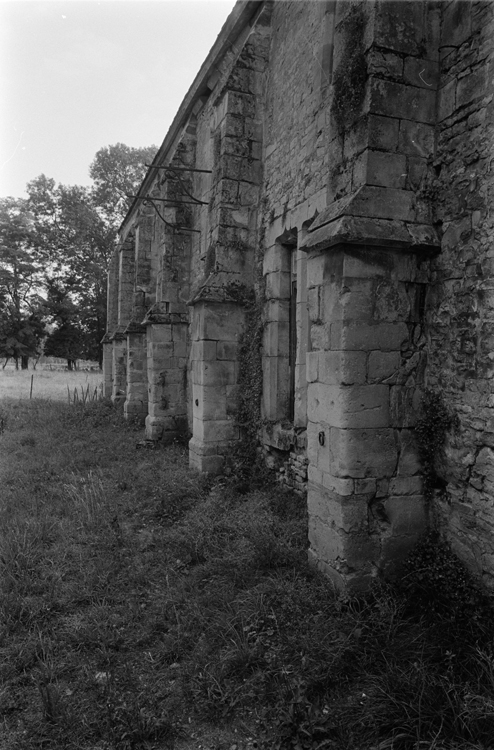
[332,169]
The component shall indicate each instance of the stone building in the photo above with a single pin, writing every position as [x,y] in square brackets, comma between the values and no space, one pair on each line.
[328,180]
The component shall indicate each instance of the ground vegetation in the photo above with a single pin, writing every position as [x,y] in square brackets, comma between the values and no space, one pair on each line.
[144,606]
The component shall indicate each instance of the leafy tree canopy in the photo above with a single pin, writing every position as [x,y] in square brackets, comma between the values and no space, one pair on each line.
[55,248]
[117,172]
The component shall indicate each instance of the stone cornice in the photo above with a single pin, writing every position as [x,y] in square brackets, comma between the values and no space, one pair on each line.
[358,219]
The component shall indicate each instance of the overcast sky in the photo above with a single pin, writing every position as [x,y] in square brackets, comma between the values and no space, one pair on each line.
[76,75]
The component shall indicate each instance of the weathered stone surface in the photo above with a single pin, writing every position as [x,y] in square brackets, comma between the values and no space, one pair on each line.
[328,204]
[361,453]
[382,365]
[338,367]
[365,337]
[349,406]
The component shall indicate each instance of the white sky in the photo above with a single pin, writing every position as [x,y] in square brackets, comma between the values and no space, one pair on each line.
[77,75]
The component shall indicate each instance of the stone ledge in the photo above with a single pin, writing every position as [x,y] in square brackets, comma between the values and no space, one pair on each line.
[117,335]
[358,220]
[159,313]
[221,287]
[135,327]
[276,435]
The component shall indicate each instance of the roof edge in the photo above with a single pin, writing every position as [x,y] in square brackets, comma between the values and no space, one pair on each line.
[242,12]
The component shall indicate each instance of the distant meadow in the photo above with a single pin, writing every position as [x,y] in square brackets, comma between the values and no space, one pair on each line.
[52,384]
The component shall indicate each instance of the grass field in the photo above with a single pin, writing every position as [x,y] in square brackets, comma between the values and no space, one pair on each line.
[54,385]
[143,606]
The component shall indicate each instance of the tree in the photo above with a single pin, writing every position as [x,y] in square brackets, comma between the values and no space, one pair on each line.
[56,247]
[21,284]
[117,172]
[71,234]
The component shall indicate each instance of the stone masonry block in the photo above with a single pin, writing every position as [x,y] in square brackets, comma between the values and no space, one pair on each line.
[179,349]
[157,352]
[160,334]
[276,339]
[313,295]
[278,285]
[214,373]
[385,169]
[203,349]
[472,87]
[217,322]
[416,138]
[383,133]
[320,336]
[421,73]
[385,203]
[215,430]
[347,552]
[355,140]
[340,367]
[276,260]
[201,448]
[392,302]
[227,350]
[363,453]
[447,100]
[312,359]
[325,541]
[349,406]
[399,26]
[277,310]
[405,485]
[363,266]
[180,333]
[342,513]
[209,402]
[319,455]
[382,365]
[343,487]
[417,171]
[174,376]
[355,301]
[206,464]
[359,336]
[399,100]
[315,269]
[456,25]
[314,475]
[365,486]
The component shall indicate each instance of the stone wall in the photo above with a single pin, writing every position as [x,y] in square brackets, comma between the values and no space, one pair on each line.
[460,303]
[332,163]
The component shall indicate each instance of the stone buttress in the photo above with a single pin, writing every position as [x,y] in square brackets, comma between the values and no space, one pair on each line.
[136,401]
[309,168]
[228,275]
[368,258]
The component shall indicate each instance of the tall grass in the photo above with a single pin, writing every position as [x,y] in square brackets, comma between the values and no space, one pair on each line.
[46,384]
[142,606]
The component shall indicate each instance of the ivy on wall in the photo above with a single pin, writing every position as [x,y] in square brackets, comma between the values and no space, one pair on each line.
[246,461]
[350,77]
